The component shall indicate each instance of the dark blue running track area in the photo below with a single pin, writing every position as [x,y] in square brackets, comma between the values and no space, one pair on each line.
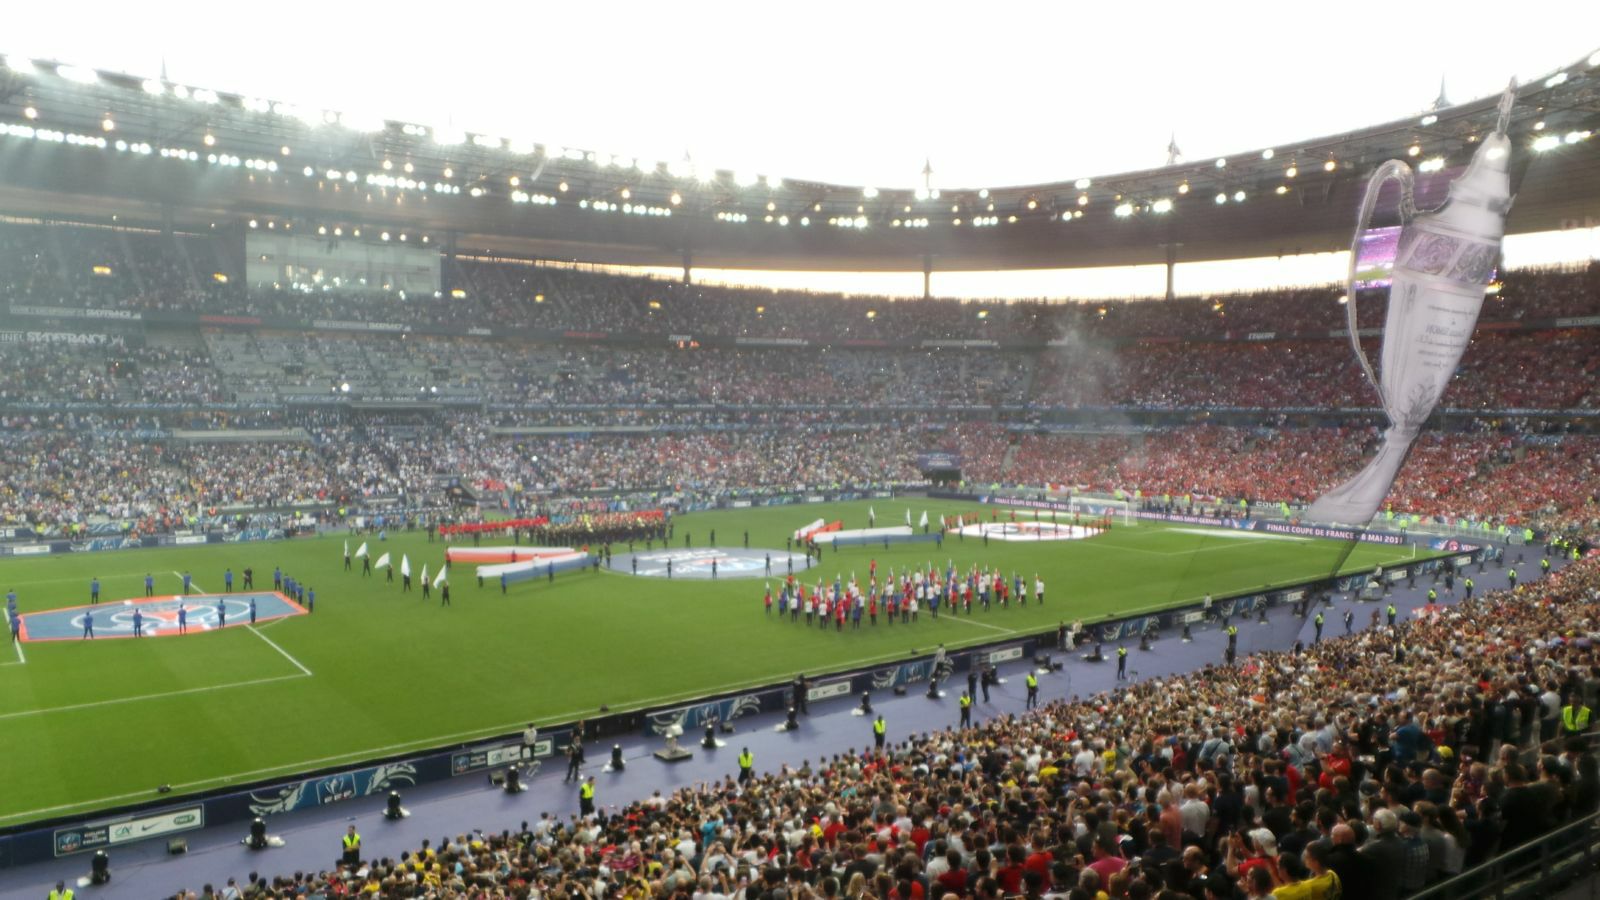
[202,613]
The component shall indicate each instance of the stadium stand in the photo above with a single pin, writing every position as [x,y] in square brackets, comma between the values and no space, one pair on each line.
[1246,781]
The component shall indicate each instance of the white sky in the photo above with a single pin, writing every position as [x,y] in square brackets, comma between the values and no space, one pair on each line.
[855,92]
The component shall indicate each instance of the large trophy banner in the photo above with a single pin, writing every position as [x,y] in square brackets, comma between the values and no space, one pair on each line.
[1443,264]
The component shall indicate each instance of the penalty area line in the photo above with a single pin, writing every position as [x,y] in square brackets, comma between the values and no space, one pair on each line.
[273,644]
[355,756]
[270,642]
[95,704]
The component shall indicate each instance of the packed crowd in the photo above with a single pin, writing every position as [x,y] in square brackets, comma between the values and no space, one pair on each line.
[1371,766]
[85,266]
[56,476]
[549,384]
[1485,477]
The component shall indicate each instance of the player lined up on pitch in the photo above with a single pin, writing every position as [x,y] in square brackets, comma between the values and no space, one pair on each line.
[901,595]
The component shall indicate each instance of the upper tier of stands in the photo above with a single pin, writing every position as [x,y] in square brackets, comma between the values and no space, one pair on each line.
[78,266]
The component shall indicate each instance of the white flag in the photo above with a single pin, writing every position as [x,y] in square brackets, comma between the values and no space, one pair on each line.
[346,548]
[405,565]
[924,522]
[908,515]
[439,578]
[382,561]
[871,516]
[959,523]
[361,550]
[424,573]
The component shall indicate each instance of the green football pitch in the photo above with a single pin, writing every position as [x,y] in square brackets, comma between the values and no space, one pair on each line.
[87,725]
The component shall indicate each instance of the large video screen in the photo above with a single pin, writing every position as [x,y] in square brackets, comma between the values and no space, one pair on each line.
[1375,258]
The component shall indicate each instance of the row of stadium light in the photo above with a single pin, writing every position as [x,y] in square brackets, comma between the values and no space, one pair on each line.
[1124,209]
[685,169]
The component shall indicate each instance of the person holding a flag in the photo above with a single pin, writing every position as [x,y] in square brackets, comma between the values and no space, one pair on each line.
[425,586]
[405,574]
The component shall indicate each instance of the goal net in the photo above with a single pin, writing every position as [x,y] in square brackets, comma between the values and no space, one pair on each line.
[1089,510]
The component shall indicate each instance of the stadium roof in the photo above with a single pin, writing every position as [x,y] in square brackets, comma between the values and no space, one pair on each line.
[86,144]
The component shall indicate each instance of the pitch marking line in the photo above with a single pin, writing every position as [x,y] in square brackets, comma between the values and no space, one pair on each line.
[121,700]
[22,658]
[271,643]
[977,624]
[1233,546]
[374,752]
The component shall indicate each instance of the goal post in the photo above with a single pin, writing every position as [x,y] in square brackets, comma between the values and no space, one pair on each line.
[1115,512]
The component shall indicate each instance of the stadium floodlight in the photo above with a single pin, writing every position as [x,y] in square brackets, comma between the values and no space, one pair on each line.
[1183,188]
[1082,184]
[1574,137]
[1267,153]
[746,179]
[108,124]
[79,74]
[676,198]
[1221,199]
[1291,172]
[1163,205]
[29,112]
[774,183]
[1330,165]
[1539,125]
[362,122]
[1222,162]
[1083,200]
[153,87]
[983,194]
[1546,142]
[344,387]
[1238,196]
[869,192]
[1431,165]
[1413,150]
[1556,80]
[1281,190]
[449,137]
[1123,210]
[920,193]
[783,220]
[1429,119]
[203,95]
